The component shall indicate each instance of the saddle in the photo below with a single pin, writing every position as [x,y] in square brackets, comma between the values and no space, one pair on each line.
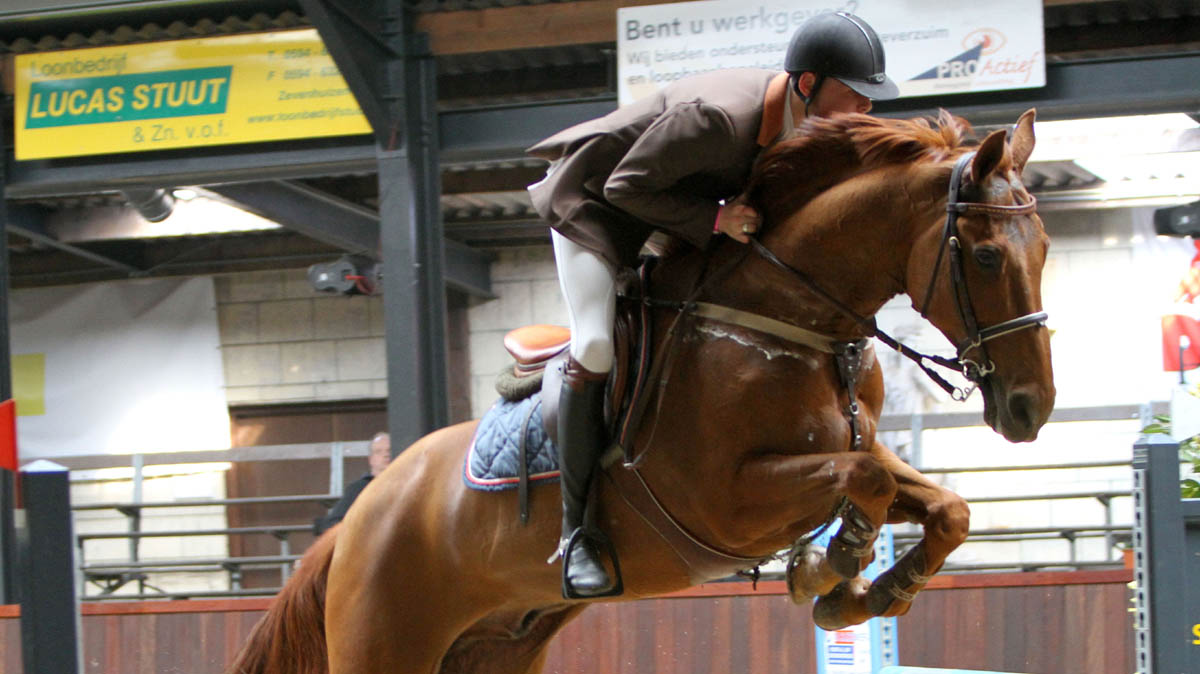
[540,351]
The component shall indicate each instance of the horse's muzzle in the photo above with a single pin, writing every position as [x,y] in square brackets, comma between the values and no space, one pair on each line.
[1020,414]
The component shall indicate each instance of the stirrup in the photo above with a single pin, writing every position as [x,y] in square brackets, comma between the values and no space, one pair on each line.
[597,537]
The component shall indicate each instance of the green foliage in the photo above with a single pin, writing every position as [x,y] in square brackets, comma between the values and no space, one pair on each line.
[1189,451]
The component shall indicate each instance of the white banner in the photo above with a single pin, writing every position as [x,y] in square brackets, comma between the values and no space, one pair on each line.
[933,47]
[113,368]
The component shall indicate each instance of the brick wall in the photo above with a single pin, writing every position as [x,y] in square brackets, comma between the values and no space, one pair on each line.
[526,285]
[282,341]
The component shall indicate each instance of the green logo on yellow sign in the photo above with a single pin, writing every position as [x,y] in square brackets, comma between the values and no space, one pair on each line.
[119,98]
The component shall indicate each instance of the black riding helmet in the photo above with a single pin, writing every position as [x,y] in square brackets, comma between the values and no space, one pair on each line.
[842,46]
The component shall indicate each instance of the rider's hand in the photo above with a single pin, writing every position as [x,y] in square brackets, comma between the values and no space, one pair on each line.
[738,220]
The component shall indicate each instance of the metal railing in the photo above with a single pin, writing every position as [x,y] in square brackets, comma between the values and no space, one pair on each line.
[110,575]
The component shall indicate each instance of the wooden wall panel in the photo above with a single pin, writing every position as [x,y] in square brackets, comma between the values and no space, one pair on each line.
[722,628]
[688,635]
[1066,629]
[10,644]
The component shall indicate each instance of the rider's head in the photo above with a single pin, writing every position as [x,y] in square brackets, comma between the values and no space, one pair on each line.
[841,48]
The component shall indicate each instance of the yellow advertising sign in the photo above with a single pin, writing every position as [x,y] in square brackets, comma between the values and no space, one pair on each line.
[29,383]
[185,93]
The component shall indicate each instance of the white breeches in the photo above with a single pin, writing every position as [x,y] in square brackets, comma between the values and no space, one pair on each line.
[589,284]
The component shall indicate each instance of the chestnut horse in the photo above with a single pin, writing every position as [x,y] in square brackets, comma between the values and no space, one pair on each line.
[754,436]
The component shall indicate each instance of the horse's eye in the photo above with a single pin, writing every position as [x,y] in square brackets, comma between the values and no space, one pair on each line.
[987,257]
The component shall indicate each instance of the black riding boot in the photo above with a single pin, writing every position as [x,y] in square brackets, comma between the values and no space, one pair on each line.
[580,442]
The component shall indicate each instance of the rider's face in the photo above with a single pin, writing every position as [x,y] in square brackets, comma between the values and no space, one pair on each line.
[834,97]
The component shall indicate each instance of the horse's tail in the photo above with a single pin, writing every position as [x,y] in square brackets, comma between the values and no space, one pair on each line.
[290,638]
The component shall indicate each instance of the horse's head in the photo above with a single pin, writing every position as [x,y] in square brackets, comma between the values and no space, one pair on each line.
[879,203]
[976,275]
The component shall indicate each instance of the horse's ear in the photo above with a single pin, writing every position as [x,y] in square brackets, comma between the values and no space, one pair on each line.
[988,156]
[1022,139]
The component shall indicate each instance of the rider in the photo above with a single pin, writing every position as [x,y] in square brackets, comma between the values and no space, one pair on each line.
[667,162]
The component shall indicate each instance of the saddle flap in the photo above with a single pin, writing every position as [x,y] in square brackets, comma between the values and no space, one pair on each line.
[532,345]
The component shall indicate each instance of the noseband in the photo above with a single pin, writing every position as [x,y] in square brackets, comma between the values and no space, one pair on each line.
[975,369]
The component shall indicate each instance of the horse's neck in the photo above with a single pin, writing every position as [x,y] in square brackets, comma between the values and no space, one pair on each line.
[851,244]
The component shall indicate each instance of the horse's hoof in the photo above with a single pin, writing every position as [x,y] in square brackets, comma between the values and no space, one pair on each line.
[827,612]
[834,610]
[805,578]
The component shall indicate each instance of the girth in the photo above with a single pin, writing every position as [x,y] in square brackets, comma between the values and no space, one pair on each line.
[704,561]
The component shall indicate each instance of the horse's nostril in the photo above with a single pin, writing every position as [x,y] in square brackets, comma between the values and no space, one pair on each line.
[1022,407]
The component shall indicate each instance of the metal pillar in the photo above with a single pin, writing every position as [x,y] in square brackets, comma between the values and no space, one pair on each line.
[1166,540]
[392,74]
[50,622]
[414,296]
[8,538]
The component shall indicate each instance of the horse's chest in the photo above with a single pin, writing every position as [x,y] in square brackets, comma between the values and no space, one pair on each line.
[827,428]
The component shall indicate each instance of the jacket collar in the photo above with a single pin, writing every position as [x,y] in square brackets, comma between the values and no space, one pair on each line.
[772,119]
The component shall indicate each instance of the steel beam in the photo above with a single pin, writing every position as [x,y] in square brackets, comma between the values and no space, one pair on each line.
[28,222]
[367,51]
[1076,90]
[312,212]
[468,270]
[1083,89]
[414,263]
[8,535]
[392,73]
[504,132]
[348,226]
[48,178]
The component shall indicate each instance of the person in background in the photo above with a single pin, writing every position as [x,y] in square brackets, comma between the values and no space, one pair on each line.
[378,457]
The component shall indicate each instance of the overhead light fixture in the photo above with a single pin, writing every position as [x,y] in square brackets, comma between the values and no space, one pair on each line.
[154,204]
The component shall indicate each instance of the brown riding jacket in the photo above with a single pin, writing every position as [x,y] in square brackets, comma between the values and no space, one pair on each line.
[662,162]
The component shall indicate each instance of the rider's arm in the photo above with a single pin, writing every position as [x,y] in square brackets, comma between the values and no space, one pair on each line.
[652,180]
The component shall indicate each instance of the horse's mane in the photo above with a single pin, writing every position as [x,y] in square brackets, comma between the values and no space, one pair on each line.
[830,150]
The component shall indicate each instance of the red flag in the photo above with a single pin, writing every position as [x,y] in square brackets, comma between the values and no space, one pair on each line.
[1181,330]
[1175,328]
[8,435]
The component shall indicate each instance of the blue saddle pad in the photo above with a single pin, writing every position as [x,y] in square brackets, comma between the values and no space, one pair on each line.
[491,463]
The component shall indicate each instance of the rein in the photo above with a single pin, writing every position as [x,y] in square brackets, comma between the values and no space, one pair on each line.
[974,371]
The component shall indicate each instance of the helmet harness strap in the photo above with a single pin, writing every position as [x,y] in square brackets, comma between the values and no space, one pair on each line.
[812,95]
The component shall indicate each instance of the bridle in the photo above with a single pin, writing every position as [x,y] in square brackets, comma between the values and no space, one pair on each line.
[976,369]
[973,369]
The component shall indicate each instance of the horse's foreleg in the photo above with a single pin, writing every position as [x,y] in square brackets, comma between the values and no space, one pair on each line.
[782,489]
[945,519]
